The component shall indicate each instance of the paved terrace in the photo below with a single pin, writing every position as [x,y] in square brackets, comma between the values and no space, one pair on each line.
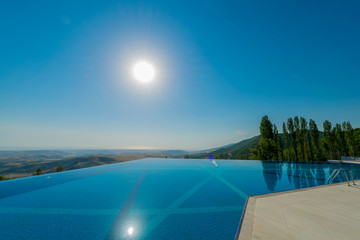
[324,212]
[344,161]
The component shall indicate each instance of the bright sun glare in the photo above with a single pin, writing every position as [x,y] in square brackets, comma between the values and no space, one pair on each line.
[144,72]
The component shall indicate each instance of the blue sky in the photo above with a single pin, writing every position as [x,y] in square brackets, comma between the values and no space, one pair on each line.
[66,82]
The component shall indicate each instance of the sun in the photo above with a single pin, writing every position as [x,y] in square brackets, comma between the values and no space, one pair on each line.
[144,72]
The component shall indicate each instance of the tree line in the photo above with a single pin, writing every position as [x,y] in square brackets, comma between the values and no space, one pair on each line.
[302,141]
[39,171]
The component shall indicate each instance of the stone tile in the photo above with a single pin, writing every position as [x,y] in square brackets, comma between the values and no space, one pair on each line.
[327,212]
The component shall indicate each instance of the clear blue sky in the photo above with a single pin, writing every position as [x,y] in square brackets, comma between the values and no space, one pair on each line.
[65,70]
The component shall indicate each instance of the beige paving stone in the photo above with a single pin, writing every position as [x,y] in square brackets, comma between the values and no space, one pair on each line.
[325,212]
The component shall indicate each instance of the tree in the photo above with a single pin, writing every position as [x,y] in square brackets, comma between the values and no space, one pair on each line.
[278,144]
[302,138]
[38,172]
[350,138]
[309,149]
[59,169]
[255,155]
[291,128]
[286,141]
[266,128]
[314,133]
[340,141]
[266,148]
[187,156]
[329,138]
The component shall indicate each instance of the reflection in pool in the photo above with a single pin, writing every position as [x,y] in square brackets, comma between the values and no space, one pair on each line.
[148,199]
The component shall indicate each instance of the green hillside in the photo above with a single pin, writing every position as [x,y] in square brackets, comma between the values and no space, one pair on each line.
[28,168]
[238,149]
[241,149]
[13,168]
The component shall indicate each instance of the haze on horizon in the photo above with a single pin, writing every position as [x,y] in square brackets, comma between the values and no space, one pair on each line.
[66,70]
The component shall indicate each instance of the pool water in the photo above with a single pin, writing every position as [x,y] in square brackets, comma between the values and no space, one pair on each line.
[148,199]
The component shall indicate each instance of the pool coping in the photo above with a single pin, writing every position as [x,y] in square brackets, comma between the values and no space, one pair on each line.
[245,229]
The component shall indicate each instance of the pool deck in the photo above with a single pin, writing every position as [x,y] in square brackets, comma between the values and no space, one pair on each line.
[344,161]
[324,212]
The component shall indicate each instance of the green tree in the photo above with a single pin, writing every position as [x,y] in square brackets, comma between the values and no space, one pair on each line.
[254,154]
[302,139]
[278,144]
[59,169]
[38,172]
[314,133]
[309,148]
[291,128]
[340,141]
[286,142]
[266,128]
[266,148]
[350,138]
[187,156]
[329,138]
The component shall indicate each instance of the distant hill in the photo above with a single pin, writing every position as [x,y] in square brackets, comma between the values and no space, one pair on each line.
[80,162]
[13,168]
[211,149]
[174,153]
[21,163]
[58,154]
[235,150]
[35,154]
[238,149]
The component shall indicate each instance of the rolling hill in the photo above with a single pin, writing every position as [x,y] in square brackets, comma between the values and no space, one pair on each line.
[13,168]
[238,149]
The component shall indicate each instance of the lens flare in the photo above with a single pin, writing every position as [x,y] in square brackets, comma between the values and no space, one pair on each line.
[130,231]
[211,158]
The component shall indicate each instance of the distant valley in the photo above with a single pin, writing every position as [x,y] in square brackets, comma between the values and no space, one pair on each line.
[14,164]
[22,163]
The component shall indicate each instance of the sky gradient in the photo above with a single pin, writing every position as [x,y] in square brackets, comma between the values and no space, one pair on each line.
[65,70]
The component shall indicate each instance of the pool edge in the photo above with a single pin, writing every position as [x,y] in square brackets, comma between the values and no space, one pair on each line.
[245,229]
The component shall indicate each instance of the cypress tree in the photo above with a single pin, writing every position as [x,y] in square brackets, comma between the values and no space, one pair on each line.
[299,152]
[278,152]
[329,138]
[340,141]
[291,128]
[267,148]
[302,138]
[309,148]
[286,141]
[350,138]
[314,133]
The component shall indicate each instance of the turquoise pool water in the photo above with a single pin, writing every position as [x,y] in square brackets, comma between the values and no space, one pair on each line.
[148,199]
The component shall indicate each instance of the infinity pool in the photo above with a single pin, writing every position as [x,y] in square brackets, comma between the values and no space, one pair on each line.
[148,199]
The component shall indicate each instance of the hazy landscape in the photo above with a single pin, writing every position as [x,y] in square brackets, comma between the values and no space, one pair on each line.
[22,163]
[15,164]
[299,141]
